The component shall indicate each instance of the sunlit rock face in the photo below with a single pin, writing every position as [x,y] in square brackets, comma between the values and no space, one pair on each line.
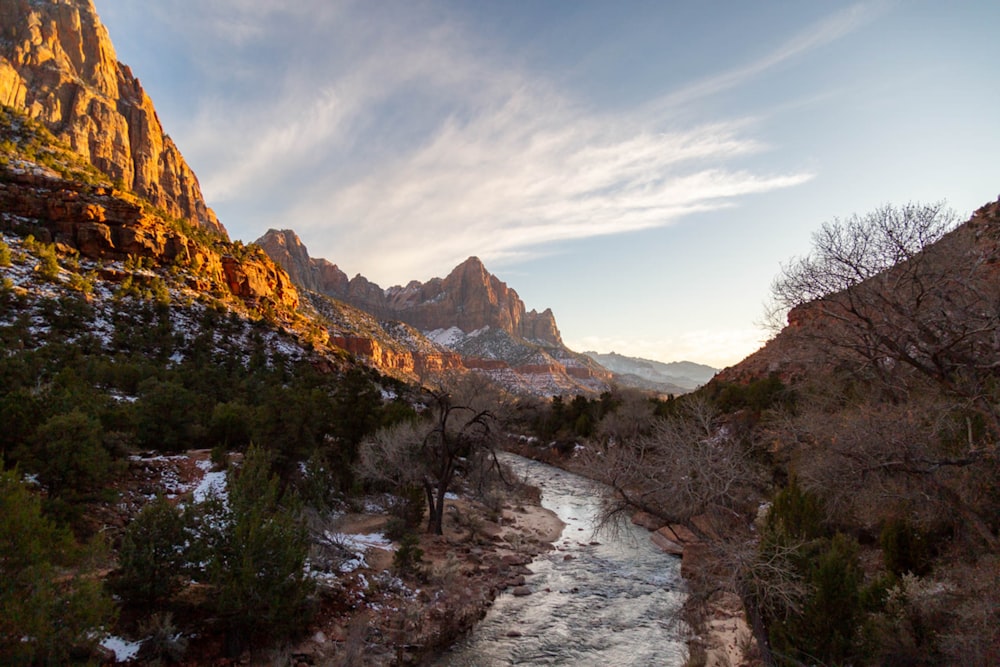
[470,298]
[471,317]
[98,224]
[58,65]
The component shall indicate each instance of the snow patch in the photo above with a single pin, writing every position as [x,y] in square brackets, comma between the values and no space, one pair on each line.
[123,649]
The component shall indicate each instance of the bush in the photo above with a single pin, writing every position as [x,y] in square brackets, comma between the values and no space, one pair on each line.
[904,548]
[46,610]
[48,267]
[408,556]
[4,254]
[258,558]
[69,456]
[152,554]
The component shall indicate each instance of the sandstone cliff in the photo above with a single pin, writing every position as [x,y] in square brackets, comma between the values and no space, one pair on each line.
[58,65]
[474,319]
[96,223]
[470,298]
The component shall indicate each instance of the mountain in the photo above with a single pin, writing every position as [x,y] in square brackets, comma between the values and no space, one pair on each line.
[676,377]
[926,312]
[57,64]
[470,298]
[470,312]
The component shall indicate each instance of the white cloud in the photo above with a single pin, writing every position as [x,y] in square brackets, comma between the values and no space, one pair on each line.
[824,32]
[396,144]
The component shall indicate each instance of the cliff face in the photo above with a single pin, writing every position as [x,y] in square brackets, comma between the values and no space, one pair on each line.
[96,223]
[475,319]
[470,298]
[58,65]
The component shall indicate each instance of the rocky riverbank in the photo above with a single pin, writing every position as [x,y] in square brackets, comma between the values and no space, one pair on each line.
[378,616]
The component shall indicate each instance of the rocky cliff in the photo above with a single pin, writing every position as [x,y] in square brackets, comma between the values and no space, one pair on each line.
[470,298]
[94,222]
[474,320]
[58,65]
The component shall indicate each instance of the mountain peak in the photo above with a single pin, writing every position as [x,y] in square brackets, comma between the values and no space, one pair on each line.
[57,65]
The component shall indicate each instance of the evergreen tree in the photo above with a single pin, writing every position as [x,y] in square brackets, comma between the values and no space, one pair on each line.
[47,605]
[257,564]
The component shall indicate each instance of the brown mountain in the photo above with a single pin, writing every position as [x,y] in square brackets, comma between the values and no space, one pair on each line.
[470,298]
[58,65]
[929,312]
[470,312]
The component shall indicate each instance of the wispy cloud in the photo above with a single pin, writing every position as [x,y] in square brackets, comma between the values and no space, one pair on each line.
[396,145]
[822,33]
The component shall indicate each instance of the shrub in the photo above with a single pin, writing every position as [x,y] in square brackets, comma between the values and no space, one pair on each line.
[258,558]
[4,254]
[408,556]
[152,554]
[48,267]
[904,548]
[69,456]
[45,612]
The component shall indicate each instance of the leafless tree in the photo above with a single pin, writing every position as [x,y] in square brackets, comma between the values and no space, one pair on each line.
[691,470]
[629,420]
[461,420]
[902,293]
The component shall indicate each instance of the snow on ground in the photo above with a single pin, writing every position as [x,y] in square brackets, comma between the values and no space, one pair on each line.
[358,545]
[446,337]
[212,484]
[123,649]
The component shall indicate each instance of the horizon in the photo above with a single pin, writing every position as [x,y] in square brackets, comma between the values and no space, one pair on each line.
[642,170]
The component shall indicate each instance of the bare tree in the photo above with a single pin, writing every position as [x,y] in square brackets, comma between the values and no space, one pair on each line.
[460,421]
[692,470]
[903,294]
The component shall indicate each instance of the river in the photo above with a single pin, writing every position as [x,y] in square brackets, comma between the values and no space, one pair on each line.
[599,599]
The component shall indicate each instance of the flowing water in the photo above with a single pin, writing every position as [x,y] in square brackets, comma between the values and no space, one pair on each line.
[607,599]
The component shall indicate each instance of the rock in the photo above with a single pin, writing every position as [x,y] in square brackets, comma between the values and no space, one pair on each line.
[57,64]
[522,591]
[514,634]
[647,520]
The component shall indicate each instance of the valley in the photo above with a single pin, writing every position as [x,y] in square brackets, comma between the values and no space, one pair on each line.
[218,452]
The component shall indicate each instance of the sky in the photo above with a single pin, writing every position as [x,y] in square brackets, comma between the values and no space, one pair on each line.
[643,169]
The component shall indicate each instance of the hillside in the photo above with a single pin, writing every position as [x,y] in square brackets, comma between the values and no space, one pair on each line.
[470,316]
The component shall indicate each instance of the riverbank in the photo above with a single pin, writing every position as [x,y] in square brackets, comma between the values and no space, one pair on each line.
[720,633]
[373,618]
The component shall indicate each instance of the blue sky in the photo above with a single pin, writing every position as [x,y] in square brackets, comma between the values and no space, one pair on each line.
[642,168]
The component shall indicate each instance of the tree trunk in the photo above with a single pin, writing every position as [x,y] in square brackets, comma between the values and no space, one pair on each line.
[434,513]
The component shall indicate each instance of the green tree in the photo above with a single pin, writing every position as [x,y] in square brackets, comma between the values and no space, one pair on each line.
[48,604]
[258,557]
[152,554]
[69,456]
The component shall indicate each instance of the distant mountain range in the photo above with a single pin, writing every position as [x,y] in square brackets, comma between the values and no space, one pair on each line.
[676,377]
[469,319]
[58,66]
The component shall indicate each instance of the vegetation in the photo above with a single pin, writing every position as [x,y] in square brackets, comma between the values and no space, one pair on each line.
[852,507]
[459,425]
[49,600]
[851,504]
